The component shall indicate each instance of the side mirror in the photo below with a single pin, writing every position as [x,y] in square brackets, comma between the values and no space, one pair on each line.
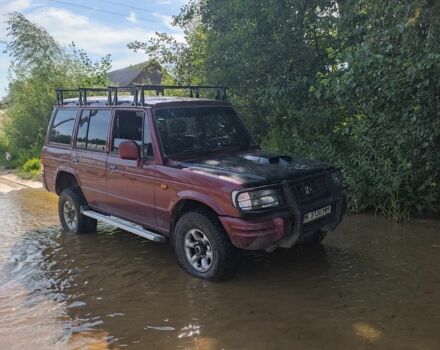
[130,150]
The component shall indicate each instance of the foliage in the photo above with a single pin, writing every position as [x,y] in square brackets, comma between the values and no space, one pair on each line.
[387,102]
[39,65]
[355,83]
[30,170]
[165,49]
[30,165]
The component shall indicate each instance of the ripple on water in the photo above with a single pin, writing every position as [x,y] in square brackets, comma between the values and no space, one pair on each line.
[373,282]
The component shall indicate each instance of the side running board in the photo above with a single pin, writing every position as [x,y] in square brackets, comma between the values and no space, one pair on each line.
[124,224]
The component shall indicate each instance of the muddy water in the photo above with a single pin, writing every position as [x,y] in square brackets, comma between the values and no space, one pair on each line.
[373,285]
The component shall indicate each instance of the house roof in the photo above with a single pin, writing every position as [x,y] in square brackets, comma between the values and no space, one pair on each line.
[125,76]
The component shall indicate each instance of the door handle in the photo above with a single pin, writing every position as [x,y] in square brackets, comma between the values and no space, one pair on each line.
[75,160]
[112,168]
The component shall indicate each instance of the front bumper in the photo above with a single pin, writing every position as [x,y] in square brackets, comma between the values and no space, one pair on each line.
[283,229]
[257,234]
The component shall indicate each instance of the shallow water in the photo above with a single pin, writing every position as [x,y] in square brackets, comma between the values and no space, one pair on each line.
[373,284]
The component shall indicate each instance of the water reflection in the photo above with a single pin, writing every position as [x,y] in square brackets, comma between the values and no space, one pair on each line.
[373,282]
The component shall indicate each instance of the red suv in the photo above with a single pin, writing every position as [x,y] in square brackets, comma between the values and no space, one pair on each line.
[183,169]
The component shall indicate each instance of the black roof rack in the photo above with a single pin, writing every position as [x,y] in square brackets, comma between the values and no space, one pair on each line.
[138,92]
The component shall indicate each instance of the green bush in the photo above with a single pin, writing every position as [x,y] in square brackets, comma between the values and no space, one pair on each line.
[31,165]
[30,169]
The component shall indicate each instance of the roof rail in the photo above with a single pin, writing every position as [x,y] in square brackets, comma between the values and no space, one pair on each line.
[138,92]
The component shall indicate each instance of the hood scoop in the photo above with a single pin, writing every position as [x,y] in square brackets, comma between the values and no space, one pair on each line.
[268,159]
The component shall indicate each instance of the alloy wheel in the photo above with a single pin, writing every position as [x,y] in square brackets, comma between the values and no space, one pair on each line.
[198,250]
[70,215]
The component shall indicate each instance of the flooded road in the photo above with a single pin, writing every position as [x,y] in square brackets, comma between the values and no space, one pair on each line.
[373,284]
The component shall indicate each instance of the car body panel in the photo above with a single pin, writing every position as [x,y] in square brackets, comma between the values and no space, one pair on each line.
[176,184]
[253,168]
[130,190]
[55,160]
[90,167]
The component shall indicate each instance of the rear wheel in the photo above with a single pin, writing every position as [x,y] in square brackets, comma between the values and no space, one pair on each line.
[202,246]
[314,238]
[69,210]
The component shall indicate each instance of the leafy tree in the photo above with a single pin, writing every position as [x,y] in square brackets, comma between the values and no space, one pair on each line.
[354,82]
[267,52]
[38,66]
[389,99]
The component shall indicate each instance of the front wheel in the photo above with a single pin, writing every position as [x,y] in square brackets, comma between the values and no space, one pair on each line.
[69,210]
[203,248]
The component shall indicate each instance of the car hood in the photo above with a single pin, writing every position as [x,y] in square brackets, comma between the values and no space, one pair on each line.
[254,167]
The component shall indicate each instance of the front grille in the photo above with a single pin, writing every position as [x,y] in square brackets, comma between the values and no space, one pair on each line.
[310,189]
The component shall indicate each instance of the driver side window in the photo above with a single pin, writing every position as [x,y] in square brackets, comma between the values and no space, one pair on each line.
[129,125]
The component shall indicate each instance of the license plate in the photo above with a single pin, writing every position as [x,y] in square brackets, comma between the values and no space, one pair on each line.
[317,214]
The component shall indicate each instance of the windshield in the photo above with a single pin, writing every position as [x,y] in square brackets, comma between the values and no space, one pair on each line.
[199,129]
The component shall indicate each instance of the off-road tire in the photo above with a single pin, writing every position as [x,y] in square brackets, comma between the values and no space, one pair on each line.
[224,254]
[84,224]
[313,239]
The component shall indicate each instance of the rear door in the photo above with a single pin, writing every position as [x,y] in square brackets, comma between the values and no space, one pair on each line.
[130,187]
[90,155]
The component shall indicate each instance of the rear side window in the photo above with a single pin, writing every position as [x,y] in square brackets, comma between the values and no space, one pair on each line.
[62,126]
[93,129]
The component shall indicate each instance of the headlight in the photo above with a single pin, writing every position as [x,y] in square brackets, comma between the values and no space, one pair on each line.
[337,178]
[258,199]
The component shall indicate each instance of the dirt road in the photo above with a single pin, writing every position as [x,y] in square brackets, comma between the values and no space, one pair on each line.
[9,181]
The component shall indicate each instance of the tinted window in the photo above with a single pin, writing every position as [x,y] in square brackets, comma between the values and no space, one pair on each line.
[83,128]
[62,126]
[128,126]
[93,129]
[199,129]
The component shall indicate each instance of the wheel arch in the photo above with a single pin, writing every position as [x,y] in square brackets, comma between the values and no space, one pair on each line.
[65,179]
[185,205]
